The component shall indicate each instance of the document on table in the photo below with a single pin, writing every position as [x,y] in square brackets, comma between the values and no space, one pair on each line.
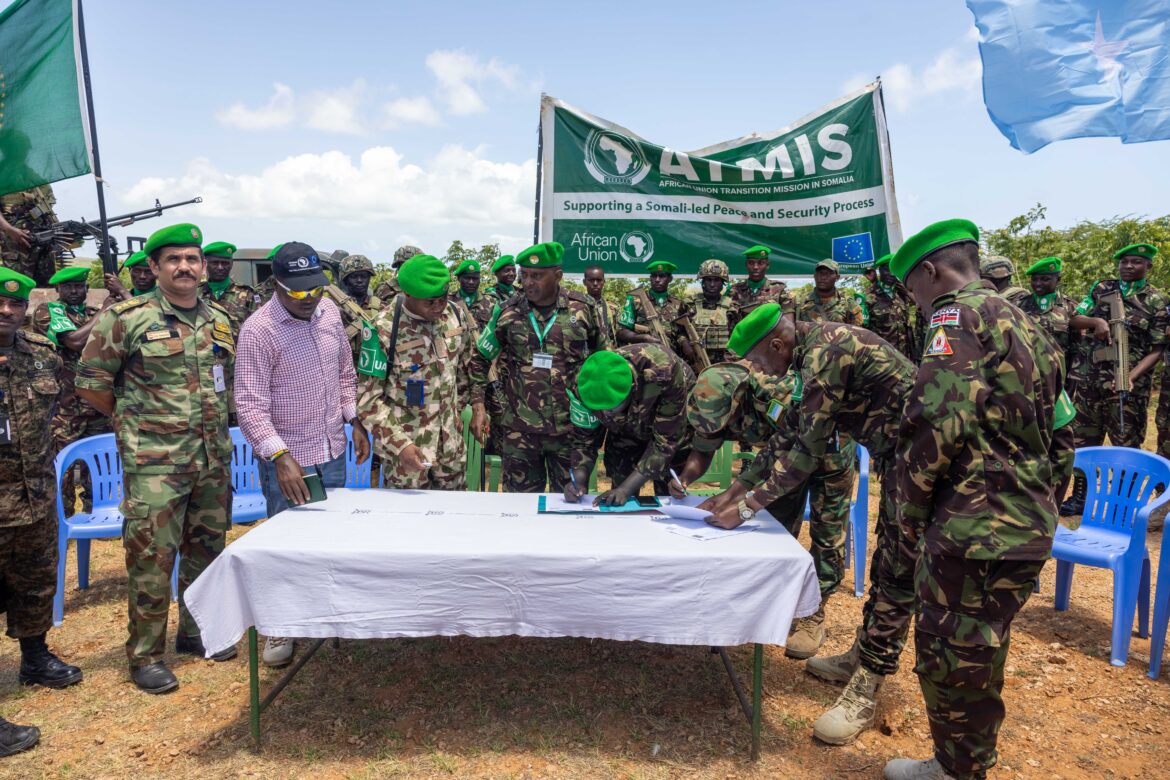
[555,503]
[706,533]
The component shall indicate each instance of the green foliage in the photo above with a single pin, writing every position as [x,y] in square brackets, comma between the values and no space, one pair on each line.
[1086,248]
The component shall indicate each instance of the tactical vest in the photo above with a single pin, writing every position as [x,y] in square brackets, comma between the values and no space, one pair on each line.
[713,326]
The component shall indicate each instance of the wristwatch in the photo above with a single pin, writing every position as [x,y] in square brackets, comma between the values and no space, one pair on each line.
[746,512]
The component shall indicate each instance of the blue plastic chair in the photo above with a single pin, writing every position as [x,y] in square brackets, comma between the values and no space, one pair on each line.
[857,532]
[1112,534]
[248,503]
[100,454]
[1161,608]
[357,476]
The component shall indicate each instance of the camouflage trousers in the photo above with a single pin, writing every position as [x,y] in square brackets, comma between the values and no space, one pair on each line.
[28,576]
[494,406]
[531,462]
[40,264]
[885,618]
[621,456]
[67,429]
[1162,416]
[1098,415]
[185,513]
[963,620]
[829,492]
[444,474]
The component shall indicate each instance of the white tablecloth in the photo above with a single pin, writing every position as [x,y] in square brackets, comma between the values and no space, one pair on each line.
[371,564]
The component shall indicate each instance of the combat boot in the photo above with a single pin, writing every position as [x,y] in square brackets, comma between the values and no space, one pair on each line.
[909,769]
[1075,505]
[15,739]
[853,712]
[193,645]
[154,678]
[807,636]
[837,668]
[38,666]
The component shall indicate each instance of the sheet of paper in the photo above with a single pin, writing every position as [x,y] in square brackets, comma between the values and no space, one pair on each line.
[706,533]
[555,503]
[683,512]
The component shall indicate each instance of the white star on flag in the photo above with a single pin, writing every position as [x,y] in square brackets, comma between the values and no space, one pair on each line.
[1106,52]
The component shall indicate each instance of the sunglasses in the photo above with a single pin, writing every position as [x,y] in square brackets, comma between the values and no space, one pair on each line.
[300,295]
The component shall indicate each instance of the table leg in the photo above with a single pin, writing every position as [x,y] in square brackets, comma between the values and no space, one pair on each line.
[757,699]
[254,683]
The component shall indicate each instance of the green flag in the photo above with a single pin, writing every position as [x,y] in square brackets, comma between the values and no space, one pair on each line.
[42,132]
[372,359]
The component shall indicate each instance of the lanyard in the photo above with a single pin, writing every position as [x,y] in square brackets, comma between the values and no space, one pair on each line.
[536,329]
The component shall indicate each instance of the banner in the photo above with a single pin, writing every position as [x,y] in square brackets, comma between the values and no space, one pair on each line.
[42,132]
[820,188]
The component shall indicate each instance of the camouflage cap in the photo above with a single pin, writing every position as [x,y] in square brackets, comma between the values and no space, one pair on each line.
[715,397]
[15,285]
[404,253]
[714,268]
[354,263]
[996,267]
[1049,265]
[1148,251]
[830,264]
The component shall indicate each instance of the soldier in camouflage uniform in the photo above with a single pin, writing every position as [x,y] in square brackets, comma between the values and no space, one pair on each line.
[411,396]
[714,314]
[757,288]
[999,273]
[238,300]
[609,311]
[504,270]
[385,291]
[977,491]
[354,276]
[67,323]
[1146,320]
[1056,313]
[891,312]
[636,325]
[538,341]
[29,389]
[169,353]
[477,304]
[26,212]
[637,395]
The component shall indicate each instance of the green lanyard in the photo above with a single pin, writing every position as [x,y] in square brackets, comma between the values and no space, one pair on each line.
[536,329]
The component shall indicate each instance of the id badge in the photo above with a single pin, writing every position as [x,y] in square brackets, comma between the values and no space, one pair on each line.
[415,392]
[218,380]
[5,429]
[541,360]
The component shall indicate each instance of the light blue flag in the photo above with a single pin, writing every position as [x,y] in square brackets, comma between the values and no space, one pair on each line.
[1076,68]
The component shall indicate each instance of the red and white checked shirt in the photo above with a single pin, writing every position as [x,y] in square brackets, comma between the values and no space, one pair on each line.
[295,383]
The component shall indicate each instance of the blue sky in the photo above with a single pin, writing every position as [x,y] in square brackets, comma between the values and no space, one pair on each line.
[366,125]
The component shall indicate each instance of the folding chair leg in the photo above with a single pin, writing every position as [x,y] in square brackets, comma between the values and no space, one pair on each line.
[82,564]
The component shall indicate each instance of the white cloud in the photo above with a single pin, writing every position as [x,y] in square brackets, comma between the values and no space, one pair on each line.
[337,111]
[459,189]
[277,112]
[407,110]
[956,70]
[461,74]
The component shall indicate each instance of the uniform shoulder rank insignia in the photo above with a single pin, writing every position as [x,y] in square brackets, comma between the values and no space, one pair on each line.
[222,327]
[125,306]
[939,345]
[945,318]
[36,338]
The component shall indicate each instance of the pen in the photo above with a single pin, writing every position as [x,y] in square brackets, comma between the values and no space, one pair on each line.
[674,474]
[576,489]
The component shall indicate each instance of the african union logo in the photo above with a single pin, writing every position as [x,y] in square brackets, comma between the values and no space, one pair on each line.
[636,246]
[612,158]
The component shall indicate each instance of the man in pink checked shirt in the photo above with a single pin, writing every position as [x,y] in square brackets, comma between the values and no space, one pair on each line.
[296,388]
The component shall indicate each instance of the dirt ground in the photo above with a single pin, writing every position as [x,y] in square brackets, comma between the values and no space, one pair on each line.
[521,708]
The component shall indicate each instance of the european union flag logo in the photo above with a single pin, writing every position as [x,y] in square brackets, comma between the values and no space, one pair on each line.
[857,248]
[1074,69]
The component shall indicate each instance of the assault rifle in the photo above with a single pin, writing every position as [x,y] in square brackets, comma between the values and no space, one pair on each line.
[701,356]
[69,234]
[1118,351]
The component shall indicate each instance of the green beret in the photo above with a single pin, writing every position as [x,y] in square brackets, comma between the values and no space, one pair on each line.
[503,262]
[1049,265]
[138,258]
[424,276]
[272,252]
[883,260]
[752,329]
[605,380]
[70,273]
[15,285]
[183,234]
[220,249]
[546,255]
[467,267]
[830,264]
[930,239]
[1148,251]
[661,267]
[756,251]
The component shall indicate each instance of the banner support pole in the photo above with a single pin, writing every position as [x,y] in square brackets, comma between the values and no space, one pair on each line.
[539,169]
[109,265]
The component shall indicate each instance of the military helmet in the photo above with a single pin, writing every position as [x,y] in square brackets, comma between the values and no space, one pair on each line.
[354,263]
[404,253]
[716,268]
[996,267]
